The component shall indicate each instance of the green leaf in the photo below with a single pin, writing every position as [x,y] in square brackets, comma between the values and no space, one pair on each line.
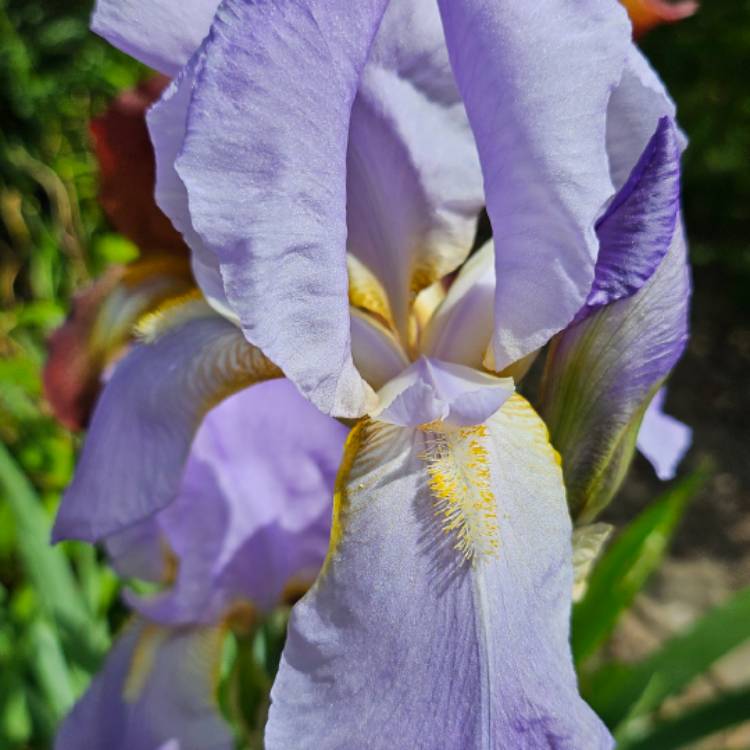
[621,694]
[724,712]
[627,565]
[50,668]
[47,567]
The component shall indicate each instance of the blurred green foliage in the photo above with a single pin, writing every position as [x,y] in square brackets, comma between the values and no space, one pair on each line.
[59,606]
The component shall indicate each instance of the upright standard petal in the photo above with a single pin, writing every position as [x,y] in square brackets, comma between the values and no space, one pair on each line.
[662,439]
[146,417]
[264,163]
[601,374]
[537,102]
[253,513]
[159,33]
[156,688]
[414,187]
[463,647]
[637,104]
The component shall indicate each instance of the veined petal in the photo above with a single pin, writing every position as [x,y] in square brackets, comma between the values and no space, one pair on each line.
[253,512]
[431,390]
[264,164]
[156,688]
[637,229]
[99,326]
[601,374]
[662,439]
[146,417]
[159,33]
[460,330]
[460,654]
[414,187]
[637,104]
[540,122]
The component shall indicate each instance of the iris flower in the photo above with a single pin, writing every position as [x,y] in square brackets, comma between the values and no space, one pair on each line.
[243,534]
[326,163]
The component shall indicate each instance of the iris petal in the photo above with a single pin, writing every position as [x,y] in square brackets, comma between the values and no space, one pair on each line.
[264,164]
[662,439]
[431,390]
[413,187]
[637,104]
[155,688]
[145,419]
[253,512]
[539,121]
[459,655]
[161,34]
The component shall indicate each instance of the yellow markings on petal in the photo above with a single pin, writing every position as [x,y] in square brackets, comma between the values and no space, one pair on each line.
[234,366]
[352,447]
[144,655]
[459,477]
[192,654]
[172,312]
[366,292]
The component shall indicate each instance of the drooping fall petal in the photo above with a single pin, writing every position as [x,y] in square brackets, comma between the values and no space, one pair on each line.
[156,688]
[459,654]
[145,419]
[253,512]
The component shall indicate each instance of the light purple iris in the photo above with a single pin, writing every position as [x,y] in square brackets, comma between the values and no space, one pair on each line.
[248,529]
[326,161]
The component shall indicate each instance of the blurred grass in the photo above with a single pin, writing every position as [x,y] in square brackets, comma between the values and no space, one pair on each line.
[58,606]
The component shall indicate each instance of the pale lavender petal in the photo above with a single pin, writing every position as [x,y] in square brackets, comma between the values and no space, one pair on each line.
[637,229]
[403,643]
[414,187]
[139,552]
[410,43]
[264,163]
[145,420]
[637,104]
[601,374]
[662,439]
[431,390]
[536,79]
[159,33]
[253,512]
[156,690]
